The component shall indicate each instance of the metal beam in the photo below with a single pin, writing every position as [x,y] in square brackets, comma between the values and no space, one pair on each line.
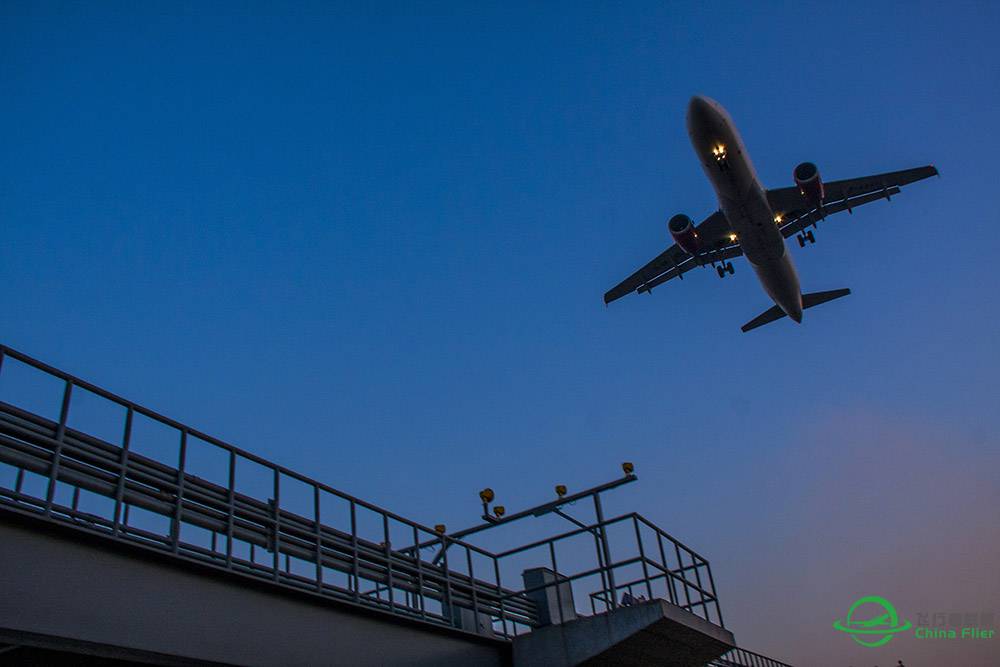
[544,508]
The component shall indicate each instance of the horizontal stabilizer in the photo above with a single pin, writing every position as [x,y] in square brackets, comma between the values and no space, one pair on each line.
[808,301]
[771,314]
[816,298]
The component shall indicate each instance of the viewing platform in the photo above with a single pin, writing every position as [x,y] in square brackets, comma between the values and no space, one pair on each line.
[139,538]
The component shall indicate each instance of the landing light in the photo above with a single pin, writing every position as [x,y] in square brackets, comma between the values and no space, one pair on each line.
[778,217]
[732,238]
[719,152]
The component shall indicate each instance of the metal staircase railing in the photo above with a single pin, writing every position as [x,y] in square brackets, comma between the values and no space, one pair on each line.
[739,657]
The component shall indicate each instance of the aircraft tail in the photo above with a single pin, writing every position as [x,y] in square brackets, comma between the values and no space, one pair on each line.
[808,301]
[816,298]
[770,315]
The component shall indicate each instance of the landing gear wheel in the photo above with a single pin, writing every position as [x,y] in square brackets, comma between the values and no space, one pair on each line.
[729,268]
[810,237]
[801,239]
[721,271]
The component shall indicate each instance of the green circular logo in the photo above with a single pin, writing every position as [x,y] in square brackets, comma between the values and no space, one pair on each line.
[877,623]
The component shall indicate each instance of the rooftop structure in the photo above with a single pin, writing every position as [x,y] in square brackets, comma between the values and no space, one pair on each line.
[140,480]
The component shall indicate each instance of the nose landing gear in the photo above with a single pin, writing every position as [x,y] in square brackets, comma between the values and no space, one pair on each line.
[724,268]
[804,237]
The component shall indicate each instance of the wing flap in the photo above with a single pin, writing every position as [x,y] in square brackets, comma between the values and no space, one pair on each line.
[708,258]
[854,187]
[852,192]
[797,224]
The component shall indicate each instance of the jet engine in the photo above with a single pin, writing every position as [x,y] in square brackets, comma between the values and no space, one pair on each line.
[810,184]
[682,229]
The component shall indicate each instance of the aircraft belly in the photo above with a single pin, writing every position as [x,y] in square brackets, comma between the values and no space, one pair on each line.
[759,237]
[780,281]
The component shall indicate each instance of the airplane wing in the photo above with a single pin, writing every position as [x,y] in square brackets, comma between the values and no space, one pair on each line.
[797,214]
[674,262]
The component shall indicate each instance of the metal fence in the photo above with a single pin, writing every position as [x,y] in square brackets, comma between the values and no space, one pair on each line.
[204,500]
[642,563]
[355,552]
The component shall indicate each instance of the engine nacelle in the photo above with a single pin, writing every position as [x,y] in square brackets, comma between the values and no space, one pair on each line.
[682,229]
[810,184]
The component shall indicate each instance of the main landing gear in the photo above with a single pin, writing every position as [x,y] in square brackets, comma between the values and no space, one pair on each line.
[724,268]
[805,236]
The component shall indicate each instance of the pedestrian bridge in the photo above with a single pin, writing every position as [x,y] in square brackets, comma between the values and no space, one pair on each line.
[128,536]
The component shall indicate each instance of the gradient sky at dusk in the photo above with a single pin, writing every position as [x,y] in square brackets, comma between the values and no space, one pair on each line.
[371,246]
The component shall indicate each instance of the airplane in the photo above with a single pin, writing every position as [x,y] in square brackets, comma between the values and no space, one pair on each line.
[753,221]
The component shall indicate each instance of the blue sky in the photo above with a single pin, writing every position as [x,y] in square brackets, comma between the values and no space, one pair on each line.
[372,247]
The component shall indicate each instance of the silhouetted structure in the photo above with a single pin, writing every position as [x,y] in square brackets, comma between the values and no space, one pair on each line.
[197,551]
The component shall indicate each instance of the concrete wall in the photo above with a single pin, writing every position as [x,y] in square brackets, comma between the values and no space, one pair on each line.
[55,583]
[650,633]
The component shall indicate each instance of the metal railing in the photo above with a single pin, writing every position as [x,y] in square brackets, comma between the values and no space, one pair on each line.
[739,657]
[170,509]
[295,532]
[647,564]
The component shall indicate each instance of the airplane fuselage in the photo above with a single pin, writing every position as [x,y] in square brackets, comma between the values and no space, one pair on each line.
[743,200]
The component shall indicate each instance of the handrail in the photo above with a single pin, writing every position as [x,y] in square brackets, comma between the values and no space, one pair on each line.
[741,657]
[125,403]
[372,570]
[69,456]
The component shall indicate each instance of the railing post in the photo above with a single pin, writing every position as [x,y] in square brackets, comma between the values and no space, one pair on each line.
[600,561]
[668,580]
[420,573]
[354,550]
[472,585]
[387,554]
[175,528]
[683,575]
[715,596]
[122,474]
[500,597]
[57,454]
[319,539]
[276,543]
[19,480]
[230,509]
[642,555]
[607,552]
[697,578]
[555,574]
[447,578]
